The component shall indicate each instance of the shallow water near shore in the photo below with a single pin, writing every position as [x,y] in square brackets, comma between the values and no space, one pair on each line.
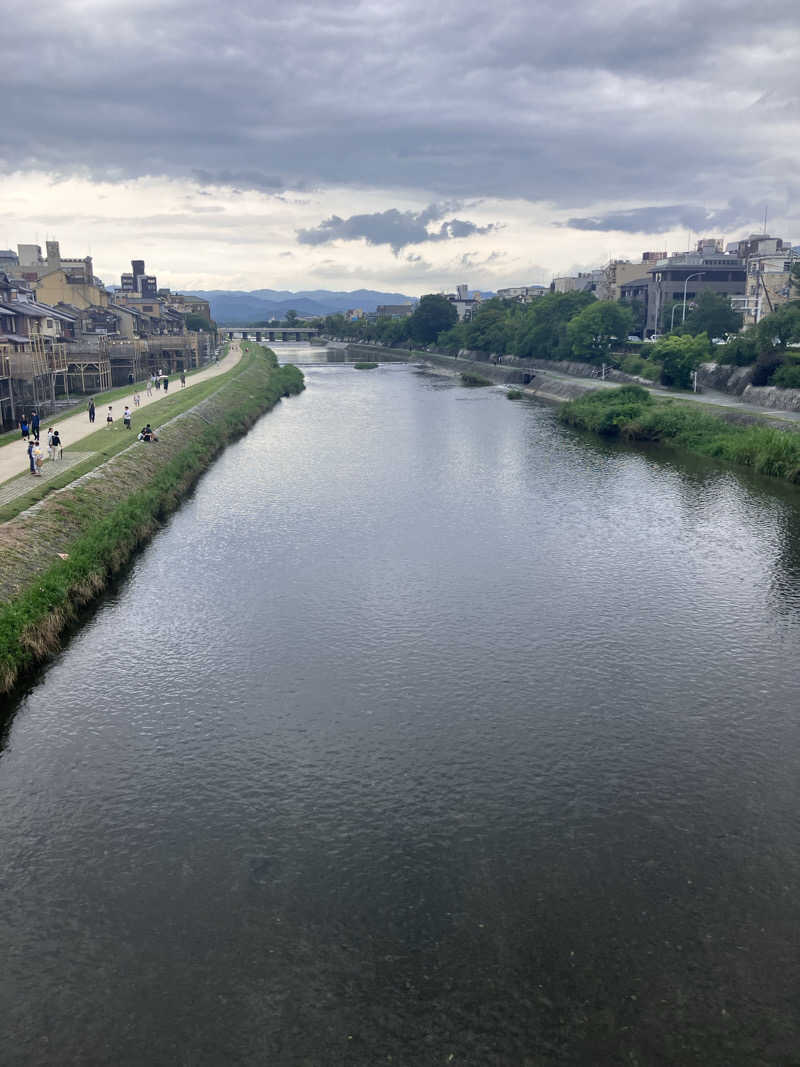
[426,732]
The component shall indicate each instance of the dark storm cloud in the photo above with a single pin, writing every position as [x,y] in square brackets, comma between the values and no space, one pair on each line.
[566,102]
[393,227]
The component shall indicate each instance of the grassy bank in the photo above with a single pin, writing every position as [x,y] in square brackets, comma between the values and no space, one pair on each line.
[631,413]
[105,443]
[81,402]
[59,555]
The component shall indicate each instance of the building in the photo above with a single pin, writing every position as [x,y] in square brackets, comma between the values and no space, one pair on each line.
[394,311]
[619,272]
[592,281]
[523,294]
[138,282]
[71,286]
[685,275]
[32,266]
[770,261]
[466,306]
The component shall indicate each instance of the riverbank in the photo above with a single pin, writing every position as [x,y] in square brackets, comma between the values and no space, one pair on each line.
[61,553]
[633,414]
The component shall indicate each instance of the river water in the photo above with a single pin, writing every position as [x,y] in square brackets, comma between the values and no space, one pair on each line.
[426,732]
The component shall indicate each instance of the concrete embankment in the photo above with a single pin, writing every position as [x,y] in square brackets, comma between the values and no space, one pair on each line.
[61,553]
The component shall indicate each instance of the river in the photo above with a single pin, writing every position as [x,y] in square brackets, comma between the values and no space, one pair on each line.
[426,732]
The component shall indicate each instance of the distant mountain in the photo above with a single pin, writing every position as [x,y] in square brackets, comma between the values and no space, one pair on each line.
[237,308]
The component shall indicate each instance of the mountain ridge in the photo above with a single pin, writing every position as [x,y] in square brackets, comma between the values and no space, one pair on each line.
[235,307]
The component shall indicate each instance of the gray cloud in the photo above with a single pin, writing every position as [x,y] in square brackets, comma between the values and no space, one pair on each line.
[672,217]
[394,228]
[566,103]
[247,179]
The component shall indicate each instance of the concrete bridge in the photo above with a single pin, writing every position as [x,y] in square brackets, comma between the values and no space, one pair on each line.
[270,333]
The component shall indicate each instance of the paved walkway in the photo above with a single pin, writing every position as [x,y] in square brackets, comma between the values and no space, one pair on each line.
[24,483]
[705,396]
[14,458]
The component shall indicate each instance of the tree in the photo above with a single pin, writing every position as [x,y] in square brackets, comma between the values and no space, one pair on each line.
[454,339]
[542,330]
[594,330]
[491,329]
[712,314]
[432,316]
[780,328]
[195,322]
[638,315]
[679,355]
[291,317]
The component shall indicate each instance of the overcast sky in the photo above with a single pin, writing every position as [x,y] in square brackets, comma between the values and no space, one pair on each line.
[401,145]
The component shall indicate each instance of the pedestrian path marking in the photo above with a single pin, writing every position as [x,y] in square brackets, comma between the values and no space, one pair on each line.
[51,469]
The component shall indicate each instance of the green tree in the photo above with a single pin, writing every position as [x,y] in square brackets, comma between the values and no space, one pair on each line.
[491,330]
[780,328]
[542,331]
[638,315]
[679,355]
[195,322]
[593,331]
[454,339]
[392,331]
[712,314]
[433,315]
[291,317]
[741,350]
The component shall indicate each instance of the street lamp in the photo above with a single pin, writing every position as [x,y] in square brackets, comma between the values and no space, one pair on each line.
[699,274]
[672,316]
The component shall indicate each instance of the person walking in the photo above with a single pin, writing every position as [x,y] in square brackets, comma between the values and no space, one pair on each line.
[158,380]
[50,452]
[149,387]
[126,418]
[35,424]
[91,409]
[57,446]
[136,400]
[183,379]
[110,418]
[23,428]
[31,460]
[166,383]
[38,457]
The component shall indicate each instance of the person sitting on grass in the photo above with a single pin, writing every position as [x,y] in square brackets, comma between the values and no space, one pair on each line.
[147,434]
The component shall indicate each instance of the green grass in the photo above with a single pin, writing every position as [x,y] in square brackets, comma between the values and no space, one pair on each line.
[474,380]
[641,367]
[107,442]
[61,556]
[632,414]
[515,394]
[365,366]
[82,402]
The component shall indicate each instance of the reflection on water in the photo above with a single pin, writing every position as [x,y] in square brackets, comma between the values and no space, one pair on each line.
[427,732]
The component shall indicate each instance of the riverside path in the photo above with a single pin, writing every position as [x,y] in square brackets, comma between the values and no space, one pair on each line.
[14,457]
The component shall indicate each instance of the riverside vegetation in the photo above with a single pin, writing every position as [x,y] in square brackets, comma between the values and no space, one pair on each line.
[633,414]
[577,326]
[59,555]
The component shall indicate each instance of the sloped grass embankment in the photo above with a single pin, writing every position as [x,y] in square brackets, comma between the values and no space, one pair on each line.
[59,555]
[633,414]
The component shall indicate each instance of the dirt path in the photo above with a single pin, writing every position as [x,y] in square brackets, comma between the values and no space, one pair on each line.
[14,458]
